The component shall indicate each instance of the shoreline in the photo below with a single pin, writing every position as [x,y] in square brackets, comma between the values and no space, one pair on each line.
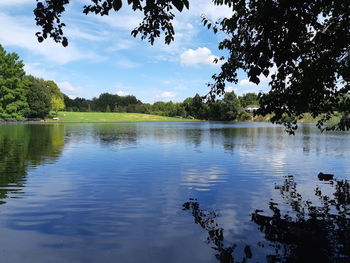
[154,121]
[114,117]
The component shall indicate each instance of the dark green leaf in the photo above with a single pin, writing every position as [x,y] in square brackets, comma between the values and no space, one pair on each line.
[65,42]
[178,4]
[186,3]
[117,4]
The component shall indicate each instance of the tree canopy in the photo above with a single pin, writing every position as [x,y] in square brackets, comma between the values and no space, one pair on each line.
[249,98]
[227,109]
[13,103]
[23,97]
[303,46]
[39,99]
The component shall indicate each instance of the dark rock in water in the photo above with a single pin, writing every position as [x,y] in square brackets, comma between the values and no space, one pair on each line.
[325,177]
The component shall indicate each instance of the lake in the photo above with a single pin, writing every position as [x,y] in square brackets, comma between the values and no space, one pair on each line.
[173,192]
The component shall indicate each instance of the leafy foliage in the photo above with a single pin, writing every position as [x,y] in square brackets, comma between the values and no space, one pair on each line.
[57,100]
[57,104]
[158,17]
[38,98]
[250,98]
[25,96]
[13,103]
[48,16]
[302,45]
[227,109]
[230,106]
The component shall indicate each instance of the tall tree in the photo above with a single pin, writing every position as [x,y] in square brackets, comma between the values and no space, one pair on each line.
[229,106]
[249,98]
[38,97]
[303,45]
[13,102]
[57,98]
[57,104]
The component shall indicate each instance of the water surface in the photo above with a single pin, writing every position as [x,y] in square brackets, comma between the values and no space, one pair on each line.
[173,192]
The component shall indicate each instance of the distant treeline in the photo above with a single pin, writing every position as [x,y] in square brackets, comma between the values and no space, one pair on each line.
[230,107]
[25,97]
[104,103]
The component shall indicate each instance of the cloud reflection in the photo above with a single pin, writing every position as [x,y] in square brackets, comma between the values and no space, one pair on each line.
[204,179]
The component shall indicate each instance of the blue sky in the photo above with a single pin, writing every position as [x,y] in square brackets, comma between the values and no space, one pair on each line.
[102,56]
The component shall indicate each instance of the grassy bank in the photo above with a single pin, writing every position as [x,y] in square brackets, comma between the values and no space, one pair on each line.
[112,117]
[140,117]
[309,119]
[306,119]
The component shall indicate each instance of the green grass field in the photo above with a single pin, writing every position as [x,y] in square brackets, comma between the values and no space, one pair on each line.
[111,117]
[306,119]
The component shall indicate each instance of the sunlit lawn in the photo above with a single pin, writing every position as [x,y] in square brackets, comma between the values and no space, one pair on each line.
[112,117]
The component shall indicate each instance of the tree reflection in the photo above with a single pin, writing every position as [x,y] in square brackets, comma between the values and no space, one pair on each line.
[298,229]
[116,135]
[22,146]
[314,232]
[207,220]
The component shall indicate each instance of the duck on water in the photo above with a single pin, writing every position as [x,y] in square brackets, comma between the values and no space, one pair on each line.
[325,177]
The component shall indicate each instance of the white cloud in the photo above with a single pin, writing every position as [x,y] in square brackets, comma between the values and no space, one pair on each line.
[201,55]
[240,90]
[123,90]
[126,63]
[230,89]
[187,26]
[264,81]
[122,44]
[166,81]
[68,88]
[38,70]
[245,86]
[181,87]
[246,83]
[79,33]
[185,30]
[122,93]
[212,11]
[126,20]
[203,179]
[16,2]
[166,95]
[182,25]
[17,33]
